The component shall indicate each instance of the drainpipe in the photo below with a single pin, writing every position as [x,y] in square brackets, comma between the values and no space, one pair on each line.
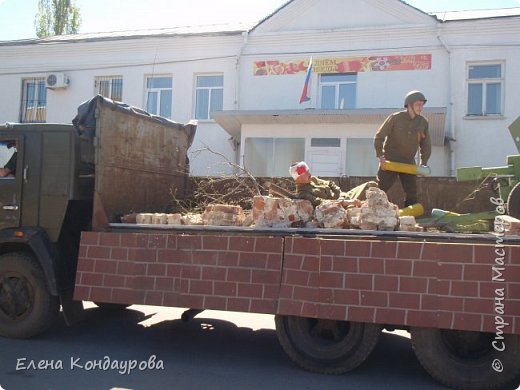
[238,143]
[451,136]
[245,38]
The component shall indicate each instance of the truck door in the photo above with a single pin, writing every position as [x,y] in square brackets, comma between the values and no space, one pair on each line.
[11,156]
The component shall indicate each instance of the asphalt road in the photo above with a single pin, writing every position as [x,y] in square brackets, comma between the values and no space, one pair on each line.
[146,347]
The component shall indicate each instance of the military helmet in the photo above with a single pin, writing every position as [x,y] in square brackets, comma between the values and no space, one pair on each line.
[412,97]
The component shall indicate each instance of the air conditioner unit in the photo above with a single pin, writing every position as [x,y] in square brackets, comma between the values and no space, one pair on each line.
[57,80]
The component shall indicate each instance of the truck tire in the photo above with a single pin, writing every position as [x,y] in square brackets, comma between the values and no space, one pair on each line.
[513,202]
[326,346]
[26,306]
[467,360]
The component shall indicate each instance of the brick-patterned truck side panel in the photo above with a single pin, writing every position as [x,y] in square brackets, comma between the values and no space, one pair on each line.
[430,284]
[235,273]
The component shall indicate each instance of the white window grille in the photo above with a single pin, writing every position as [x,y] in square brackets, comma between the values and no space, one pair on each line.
[34,101]
[110,87]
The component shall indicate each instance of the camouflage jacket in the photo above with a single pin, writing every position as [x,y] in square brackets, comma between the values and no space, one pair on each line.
[318,190]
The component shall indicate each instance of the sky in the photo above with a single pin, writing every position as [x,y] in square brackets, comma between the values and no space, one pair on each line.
[17,16]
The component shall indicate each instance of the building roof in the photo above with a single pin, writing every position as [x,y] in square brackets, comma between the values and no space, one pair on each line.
[212,29]
[237,28]
[447,16]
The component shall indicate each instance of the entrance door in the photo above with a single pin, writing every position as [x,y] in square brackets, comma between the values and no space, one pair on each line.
[325,157]
[325,163]
[11,186]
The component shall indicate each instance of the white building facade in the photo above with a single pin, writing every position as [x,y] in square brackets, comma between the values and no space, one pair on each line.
[244,84]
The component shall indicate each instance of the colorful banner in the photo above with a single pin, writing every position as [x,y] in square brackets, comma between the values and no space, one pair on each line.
[344,65]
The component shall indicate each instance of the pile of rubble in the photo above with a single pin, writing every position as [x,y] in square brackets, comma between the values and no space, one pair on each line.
[376,213]
[216,215]
[281,212]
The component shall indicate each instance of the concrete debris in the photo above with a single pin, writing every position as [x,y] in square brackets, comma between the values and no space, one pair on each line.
[223,215]
[174,219]
[192,219]
[215,215]
[156,219]
[408,224]
[354,217]
[507,225]
[281,212]
[248,220]
[331,214]
[377,213]
[159,219]
[143,218]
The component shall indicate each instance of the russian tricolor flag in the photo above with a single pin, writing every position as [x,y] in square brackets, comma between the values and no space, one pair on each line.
[306,87]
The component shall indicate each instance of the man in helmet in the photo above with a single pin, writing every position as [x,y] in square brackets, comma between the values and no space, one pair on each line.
[398,139]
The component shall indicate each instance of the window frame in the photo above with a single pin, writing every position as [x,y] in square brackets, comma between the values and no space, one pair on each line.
[209,89]
[337,86]
[485,81]
[98,80]
[158,90]
[38,105]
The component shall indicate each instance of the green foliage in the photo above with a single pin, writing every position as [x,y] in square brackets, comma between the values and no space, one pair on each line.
[56,17]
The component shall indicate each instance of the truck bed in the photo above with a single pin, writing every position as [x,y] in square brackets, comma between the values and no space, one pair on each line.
[441,280]
[322,232]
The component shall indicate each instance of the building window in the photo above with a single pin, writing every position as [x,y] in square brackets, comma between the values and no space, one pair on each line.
[209,96]
[338,91]
[34,101]
[159,96]
[485,88]
[325,142]
[272,157]
[110,87]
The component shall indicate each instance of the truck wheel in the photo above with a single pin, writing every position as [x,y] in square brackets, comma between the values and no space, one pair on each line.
[513,202]
[111,306]
[26,306]
[467,360]
[326,346]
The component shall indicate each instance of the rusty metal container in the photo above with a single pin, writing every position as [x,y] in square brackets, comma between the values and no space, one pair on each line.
[140,159]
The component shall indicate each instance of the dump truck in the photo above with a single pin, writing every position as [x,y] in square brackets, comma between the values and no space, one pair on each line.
[331,291]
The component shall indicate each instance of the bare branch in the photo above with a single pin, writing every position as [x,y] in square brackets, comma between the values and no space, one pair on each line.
[238,188]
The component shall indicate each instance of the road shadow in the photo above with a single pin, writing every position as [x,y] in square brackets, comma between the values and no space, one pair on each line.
[202,353]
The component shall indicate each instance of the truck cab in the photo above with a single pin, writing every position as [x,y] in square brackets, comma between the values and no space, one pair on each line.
[47,179]
[44,205]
